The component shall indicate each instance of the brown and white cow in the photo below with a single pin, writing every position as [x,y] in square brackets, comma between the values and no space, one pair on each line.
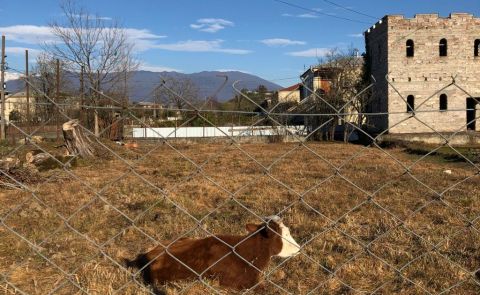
[234,261]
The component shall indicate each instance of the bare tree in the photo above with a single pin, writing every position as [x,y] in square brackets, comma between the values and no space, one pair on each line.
[46,82]
[176,92]
[99,46]
[344,93]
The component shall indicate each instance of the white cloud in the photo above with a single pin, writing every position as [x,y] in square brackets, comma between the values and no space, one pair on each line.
[313,52]
[211,25]
[93,16]
[142,39]
[307,15]
[200,46]
[155,68]
[281,42]
[28,34]
[359,35]
[12,76]
[303,15]
[21,51]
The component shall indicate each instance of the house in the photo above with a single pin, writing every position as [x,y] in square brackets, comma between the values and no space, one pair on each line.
[16,106]
[316,78]
[335,85]
[414,61]
[290,94]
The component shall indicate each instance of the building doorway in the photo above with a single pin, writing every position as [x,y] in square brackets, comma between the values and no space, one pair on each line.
[471,112]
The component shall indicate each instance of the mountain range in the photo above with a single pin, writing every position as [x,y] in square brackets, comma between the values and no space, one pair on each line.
[142,83]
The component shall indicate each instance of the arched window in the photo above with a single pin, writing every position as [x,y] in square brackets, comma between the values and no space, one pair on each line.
[410,48]
[476,48]
[443,102]
[443,47]
[410,103]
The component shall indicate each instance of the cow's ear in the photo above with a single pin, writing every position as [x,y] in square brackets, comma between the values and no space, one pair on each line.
[252,227]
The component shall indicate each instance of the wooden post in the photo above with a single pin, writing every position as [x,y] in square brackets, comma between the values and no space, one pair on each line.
[95,111]
[27,90]
[2,81]
[121,123]
[57,119]
[82,96]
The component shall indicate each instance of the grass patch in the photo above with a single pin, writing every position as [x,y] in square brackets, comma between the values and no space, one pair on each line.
[369,222]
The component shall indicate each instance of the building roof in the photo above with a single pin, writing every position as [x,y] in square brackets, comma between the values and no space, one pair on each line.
[291,88]
[18,94]
[324,70]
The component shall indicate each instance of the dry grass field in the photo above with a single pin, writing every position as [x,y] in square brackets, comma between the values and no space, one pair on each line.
[366,227]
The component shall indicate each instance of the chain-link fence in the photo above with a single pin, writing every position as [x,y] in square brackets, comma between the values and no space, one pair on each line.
[370,217]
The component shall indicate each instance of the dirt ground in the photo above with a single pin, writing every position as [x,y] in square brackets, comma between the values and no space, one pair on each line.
[366,223]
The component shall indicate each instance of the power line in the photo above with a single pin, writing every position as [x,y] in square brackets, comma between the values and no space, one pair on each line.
[321,13]
[350,9]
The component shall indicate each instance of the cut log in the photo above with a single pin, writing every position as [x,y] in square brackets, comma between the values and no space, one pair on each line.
[9,163]
[75,140]
[36,158]
[40,161]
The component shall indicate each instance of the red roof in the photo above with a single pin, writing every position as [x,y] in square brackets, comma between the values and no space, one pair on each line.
[291,88]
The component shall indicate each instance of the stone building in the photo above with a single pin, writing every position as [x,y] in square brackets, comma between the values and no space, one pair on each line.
[415,60]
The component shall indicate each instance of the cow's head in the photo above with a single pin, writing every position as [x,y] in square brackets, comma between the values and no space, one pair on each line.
[277,235]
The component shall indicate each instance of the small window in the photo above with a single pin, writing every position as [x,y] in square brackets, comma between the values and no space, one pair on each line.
[476,48]
[410,48]
[443,102]
[410,103]
[443,47]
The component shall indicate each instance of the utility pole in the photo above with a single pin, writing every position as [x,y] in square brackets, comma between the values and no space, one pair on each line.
[82,96]
[121,134]
[95,111]
[57,119]
[2,82]
[27,88]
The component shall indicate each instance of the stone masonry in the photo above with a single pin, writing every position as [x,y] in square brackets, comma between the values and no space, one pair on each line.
[426,75]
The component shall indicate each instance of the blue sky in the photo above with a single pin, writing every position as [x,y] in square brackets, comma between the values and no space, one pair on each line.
[267,38]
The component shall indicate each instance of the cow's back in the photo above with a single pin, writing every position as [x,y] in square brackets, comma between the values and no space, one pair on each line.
[212,257]
[185,258]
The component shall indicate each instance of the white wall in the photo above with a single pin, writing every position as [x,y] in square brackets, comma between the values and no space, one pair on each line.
[198,132]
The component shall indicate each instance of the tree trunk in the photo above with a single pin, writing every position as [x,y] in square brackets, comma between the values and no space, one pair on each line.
[75,140]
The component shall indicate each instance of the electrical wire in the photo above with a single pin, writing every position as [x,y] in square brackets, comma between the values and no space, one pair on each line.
[321,13]
[350,9]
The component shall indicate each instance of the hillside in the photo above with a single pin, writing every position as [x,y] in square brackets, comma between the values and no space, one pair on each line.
[142,83]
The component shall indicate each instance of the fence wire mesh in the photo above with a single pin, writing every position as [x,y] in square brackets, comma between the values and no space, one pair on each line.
[368,218]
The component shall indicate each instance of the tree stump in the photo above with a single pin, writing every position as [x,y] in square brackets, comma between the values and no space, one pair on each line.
[75,140]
